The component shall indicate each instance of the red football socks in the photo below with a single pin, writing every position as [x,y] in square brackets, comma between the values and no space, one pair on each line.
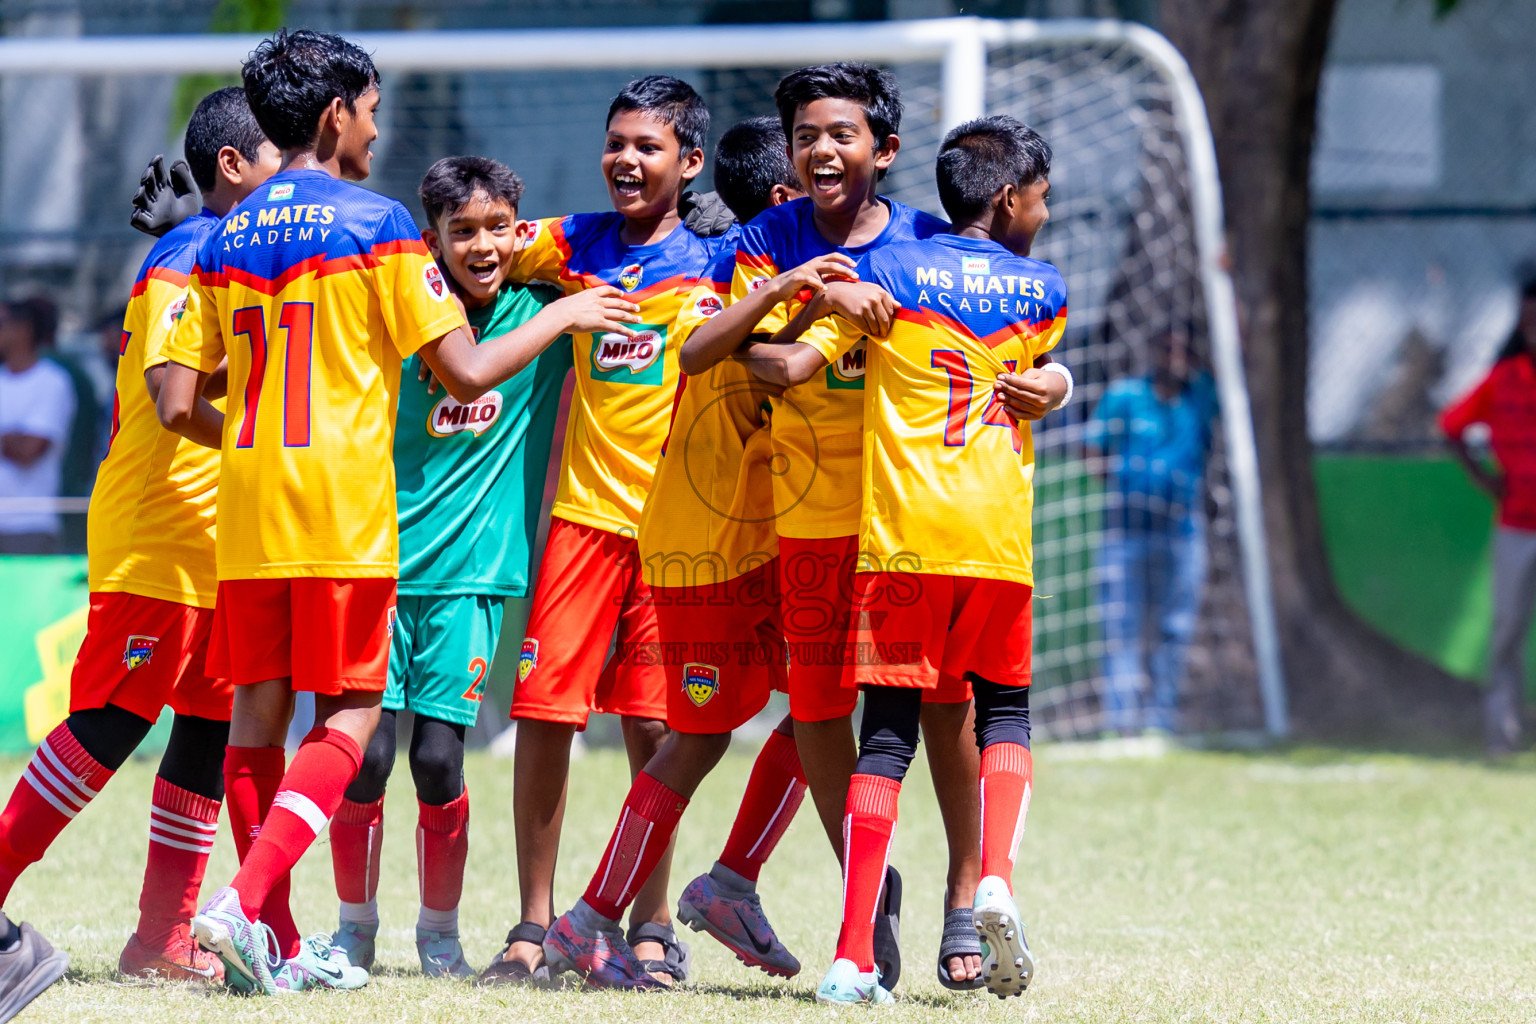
[251,778]
[182,825]
[442,845]
[868,824]
[1007,770]
[650,816]
[324,767]
[60,780]
[357,834]
[774,792]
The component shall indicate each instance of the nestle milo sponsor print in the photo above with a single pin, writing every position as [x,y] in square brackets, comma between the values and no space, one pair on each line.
[846,372]
[640,359]
[451,416]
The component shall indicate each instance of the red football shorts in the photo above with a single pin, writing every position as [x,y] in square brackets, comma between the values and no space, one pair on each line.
[723,650]
[141,653]
[928,630]
[590,594]
[326,635]
[816,578]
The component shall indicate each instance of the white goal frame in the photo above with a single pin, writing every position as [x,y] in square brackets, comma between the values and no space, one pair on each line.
[958,45]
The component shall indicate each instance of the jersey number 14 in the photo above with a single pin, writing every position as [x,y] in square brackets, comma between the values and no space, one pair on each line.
[297,320]
[961,386]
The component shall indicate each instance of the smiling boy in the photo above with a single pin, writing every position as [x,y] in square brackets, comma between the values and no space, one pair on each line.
[469,483]
[841,121]
[316,289]
[590,590]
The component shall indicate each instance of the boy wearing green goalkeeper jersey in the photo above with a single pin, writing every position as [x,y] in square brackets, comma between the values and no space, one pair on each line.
[469,482]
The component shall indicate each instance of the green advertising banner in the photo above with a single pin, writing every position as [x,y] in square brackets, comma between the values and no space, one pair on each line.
[44,601]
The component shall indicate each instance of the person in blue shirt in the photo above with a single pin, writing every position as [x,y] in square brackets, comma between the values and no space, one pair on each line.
[1153,433]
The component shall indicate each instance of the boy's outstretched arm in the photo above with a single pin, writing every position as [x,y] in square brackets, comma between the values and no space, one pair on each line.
[183,409]
[469,370]
[724,334]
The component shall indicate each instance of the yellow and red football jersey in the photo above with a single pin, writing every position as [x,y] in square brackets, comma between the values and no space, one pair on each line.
[817,426]
[624,386]
[315,289]
[948,480]
[150,530]
[709,515]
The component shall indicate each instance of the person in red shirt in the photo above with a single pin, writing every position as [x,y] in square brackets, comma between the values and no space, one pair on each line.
[1505,401]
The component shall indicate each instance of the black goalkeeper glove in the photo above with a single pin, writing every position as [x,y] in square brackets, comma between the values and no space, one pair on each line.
[705,214]
[165,199]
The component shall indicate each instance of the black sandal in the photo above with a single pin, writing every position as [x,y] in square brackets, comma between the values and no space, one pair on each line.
[514,972]
[677,959]
[888,932]
[959,939]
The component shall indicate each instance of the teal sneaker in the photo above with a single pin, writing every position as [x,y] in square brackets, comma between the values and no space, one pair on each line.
[319,964]
[845,983]
[1008,966]
[441,954]
[357,941]
[248,949]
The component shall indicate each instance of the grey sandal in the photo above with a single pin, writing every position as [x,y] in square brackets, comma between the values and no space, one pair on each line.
[678,958]
[888,932]
[959,939]
[502,971]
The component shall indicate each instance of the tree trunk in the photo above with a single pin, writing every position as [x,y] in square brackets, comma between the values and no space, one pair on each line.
[1258,63]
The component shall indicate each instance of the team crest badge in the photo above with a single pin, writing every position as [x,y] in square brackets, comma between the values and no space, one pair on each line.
[435,283]
[701,682]
[630,276]
[528,660]
[139,650]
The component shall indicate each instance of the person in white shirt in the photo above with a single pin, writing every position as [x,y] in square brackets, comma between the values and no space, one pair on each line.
[37,408]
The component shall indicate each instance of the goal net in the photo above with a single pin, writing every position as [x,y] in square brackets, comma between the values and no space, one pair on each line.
[1115,602]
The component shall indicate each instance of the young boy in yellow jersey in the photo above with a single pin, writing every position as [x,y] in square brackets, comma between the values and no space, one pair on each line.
[590,591]
[151,570]
[708,546]
[316,289]
[842,122]
[945,579]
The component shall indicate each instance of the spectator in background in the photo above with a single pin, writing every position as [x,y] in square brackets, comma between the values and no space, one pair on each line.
[37,410]
[1154,434]
[1505,400]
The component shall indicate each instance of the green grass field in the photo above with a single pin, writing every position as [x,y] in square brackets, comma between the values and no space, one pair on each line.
[1304,886]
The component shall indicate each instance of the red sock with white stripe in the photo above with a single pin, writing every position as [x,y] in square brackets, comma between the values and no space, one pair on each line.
[357,835]
[442,846]
[774,792]
[324,767]
[1007,772]
[60,780]
[182,825]
[650,816]
[868,824]
[251,778]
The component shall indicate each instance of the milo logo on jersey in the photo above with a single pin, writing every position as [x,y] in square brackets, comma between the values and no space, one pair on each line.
[450,417]
[640,359]
[846,372]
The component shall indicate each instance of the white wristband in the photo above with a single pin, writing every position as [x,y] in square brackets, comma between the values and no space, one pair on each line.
[1066,374]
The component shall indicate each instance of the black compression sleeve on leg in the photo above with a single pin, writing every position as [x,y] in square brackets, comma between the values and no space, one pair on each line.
[108,734]
[378,762]
[1002,713]
[437,760]
[194,755]
[888,734]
